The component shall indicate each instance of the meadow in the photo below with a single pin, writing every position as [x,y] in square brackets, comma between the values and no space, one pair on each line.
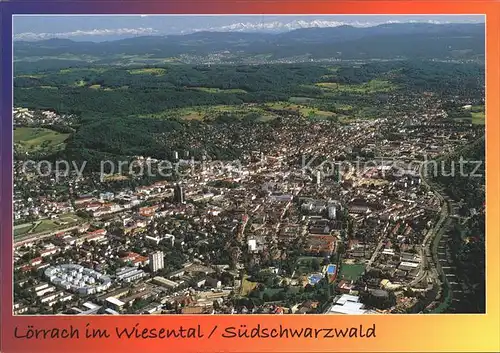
[39,139]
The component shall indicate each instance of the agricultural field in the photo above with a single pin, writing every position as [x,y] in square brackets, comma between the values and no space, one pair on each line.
[89,69]
[133,99]
[211,112]
[39,139]
[35,76]
[478,115]
[372,86]
[309,112]
[218,90]
[301,100]
[155,71]
[115,177]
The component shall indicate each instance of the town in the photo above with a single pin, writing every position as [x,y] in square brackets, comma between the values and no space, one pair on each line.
[316,216]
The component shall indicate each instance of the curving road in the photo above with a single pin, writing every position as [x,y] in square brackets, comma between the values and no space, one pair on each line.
[427,252]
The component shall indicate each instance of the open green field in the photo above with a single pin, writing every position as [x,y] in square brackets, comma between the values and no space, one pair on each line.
[333,68]
[478,115]
[351,271]
[69,218]
[218,90]
[309,112]
[191,113]
[212,111]
[373,86]
[35,139]
[155,71]
[82,70]
[47,225]
[122,88]
[22,229]
[35,76]
[247,286]
[301,100]
[80,83]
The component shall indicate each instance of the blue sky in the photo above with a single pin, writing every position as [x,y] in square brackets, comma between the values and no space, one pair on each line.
[106,27]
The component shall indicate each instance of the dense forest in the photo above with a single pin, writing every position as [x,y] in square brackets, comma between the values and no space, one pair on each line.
[141,111]
[124,92]
[468,250]
[468,237]
[465,187]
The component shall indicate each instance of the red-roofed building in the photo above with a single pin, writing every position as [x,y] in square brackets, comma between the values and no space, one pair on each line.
[49,252]
[396,228]
[129,257]
[26,268]
[60,235]
[140,260]
[93,206]
[36,261]
[96,235]
[278,310]
[84,200]
[148,211]
[135,259]
[99,232]
[345,287]
[320,244]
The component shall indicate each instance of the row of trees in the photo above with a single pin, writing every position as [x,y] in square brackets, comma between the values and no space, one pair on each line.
[468,238]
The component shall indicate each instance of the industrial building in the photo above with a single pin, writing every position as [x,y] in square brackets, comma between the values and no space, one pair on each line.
[347,304]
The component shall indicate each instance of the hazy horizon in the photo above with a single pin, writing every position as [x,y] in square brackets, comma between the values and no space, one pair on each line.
[110,27]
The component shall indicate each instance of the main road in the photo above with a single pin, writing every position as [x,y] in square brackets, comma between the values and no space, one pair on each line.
[427,253]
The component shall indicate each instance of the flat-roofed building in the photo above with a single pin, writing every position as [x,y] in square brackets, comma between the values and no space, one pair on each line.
[161,281]
[347,304]
[114,303]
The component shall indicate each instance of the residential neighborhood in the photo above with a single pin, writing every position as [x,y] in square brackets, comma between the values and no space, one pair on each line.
[281,232]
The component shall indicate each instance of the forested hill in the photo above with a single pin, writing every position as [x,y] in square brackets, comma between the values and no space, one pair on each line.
[388,41]
[126,111]
[151,90]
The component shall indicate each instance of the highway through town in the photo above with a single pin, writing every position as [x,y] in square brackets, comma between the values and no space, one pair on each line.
[428,253]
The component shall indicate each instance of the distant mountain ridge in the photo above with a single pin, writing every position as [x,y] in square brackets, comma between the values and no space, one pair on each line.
[386,41]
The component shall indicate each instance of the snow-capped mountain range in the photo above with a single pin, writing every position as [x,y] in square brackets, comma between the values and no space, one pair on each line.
[275,26]
[281,26]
